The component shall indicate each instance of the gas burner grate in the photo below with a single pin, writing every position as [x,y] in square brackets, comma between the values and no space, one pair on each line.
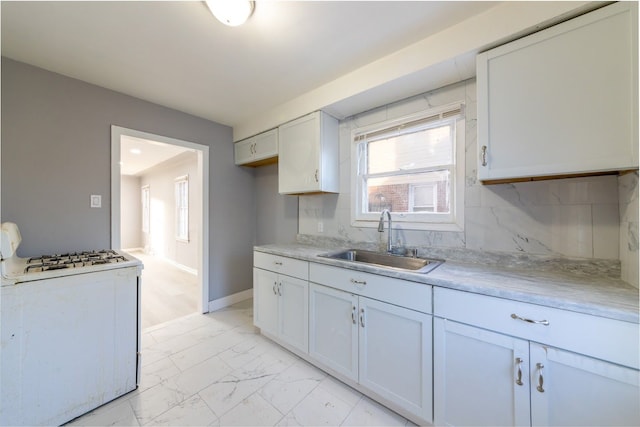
[73,259]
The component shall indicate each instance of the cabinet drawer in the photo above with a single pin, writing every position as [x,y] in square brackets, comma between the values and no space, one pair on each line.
[599,337]
[415,296]
[282,265]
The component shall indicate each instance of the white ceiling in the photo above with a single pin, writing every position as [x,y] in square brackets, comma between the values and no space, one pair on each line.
[177,55]
[138,155]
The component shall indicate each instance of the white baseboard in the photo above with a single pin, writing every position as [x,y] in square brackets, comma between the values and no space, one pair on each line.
[230,300]
[182,267]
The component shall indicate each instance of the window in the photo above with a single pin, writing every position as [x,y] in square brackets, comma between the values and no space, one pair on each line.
[146,210]
[414,167]
[182,208]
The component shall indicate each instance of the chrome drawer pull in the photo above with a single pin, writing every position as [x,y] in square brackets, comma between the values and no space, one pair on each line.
[519,377]
[540,378]
[524,319]
[358,282]
[277,262]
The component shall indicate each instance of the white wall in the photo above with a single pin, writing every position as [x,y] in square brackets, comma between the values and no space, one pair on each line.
[161,239]
[130,212]
[577,217]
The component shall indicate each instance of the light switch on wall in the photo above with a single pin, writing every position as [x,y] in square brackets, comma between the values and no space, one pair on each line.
[96,201]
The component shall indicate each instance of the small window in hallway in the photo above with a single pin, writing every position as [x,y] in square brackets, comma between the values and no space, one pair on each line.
[146,209]
[182,208]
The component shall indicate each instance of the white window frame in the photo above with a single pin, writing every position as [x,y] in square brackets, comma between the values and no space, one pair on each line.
[412,200]
[145,194]
[182,212]
[413,221]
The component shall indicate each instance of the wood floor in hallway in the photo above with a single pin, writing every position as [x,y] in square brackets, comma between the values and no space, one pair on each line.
[168,292]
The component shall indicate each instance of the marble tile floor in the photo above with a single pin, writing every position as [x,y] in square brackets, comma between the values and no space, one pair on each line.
[216,370]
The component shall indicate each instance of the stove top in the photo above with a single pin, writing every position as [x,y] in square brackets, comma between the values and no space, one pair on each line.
[72,260]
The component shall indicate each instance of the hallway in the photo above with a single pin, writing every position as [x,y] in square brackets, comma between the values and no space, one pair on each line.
[168,292]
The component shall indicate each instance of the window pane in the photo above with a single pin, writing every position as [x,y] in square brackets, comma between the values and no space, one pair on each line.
[182,209]
[422,192]
[145,209]
[425,148]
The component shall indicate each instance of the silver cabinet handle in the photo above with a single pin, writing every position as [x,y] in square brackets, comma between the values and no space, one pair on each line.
[524,319]
[353,314]
[358,282]
[316,176]
[277,262]
[362,317]
[484,155]
[274,288]
[540,366]
[519,374]
[280,288]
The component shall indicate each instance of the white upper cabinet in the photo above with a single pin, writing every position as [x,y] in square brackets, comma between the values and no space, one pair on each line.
[561,101]
[258,150]
[308,158]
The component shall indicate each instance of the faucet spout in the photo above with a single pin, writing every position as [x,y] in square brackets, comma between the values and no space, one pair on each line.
[381,227]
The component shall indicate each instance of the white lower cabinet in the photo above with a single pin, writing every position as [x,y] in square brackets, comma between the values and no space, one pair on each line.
[573,389]
[333,326]
[281,302]
[447,357]
[386,349]
[395,357]
[475,377]
[489,378]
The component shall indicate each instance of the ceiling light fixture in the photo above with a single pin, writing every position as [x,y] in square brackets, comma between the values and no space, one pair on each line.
[231,12]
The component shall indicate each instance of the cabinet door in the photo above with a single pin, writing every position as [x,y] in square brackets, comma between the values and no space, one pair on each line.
[265,300]
[243,151]
[299,155]
[563,100]
[480,377]
[569,389]
[333,329]
[266,145]
[293,322]
[395,355]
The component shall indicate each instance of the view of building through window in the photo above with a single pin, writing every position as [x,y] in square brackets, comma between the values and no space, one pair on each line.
[411,172]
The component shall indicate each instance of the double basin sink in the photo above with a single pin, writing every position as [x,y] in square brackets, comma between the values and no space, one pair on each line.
[397,262]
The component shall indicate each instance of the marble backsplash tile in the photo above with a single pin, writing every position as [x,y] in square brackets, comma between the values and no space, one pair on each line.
[592,218]
[629,253]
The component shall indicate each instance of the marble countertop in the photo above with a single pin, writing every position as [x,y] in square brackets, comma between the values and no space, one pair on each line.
[582,293]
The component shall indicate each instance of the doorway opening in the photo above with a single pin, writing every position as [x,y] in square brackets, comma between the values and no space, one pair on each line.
[159,213]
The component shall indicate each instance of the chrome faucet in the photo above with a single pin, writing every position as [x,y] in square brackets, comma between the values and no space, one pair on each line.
[381,227]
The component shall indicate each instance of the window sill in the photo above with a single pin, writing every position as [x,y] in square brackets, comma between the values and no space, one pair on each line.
[408,225]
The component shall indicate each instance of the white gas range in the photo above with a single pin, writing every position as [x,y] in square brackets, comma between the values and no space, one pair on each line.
[17,270]
[69,329]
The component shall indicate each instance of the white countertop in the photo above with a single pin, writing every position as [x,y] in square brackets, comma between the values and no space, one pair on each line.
[583,293]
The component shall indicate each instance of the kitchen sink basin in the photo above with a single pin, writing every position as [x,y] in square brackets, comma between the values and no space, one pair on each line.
[398,262]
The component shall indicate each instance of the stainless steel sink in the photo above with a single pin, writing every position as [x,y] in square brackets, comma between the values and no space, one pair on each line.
[399,262]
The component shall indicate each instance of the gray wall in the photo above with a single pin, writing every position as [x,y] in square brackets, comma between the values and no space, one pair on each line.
[276,214]
[56,143]
[130,212]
